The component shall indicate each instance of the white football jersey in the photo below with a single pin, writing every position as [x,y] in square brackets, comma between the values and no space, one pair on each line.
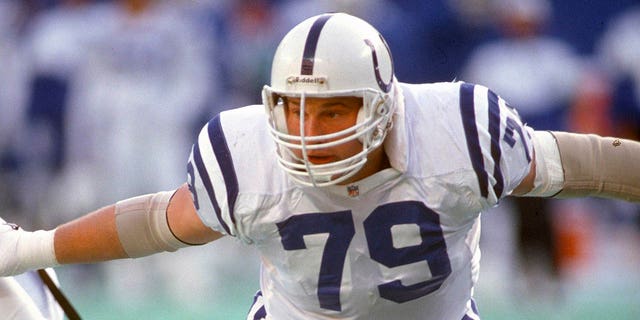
[25,296]
[400,244]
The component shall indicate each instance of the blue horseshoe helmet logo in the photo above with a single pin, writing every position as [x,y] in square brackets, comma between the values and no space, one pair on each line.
[384,86]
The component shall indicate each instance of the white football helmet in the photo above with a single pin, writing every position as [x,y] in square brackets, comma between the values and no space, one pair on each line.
[331,55]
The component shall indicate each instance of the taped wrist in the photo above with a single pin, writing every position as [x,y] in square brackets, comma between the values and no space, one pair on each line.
[599,166]
[23,250]
[142,225]
[37,251]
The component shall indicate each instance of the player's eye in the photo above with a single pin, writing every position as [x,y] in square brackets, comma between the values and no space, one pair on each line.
[294,111]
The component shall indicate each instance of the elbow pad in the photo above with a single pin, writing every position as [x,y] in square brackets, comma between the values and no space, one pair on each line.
[142,225]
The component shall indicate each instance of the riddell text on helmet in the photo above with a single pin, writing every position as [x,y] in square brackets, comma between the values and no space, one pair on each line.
[306,80]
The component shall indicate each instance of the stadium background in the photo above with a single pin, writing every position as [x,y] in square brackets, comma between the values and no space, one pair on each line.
[82,78]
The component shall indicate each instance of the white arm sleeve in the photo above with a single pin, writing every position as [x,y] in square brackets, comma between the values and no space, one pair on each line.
[549,173]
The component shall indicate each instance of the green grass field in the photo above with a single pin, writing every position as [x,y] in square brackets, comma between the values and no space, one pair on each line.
[591,300]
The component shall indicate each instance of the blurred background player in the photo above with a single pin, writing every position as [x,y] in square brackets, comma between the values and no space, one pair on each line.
[521,63]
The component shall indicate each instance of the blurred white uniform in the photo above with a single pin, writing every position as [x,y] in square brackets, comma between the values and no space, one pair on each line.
[402,243]
[524,69]
[135,99]
[619,48]
[55,47]
[144,80]
[535,72]
[12,78]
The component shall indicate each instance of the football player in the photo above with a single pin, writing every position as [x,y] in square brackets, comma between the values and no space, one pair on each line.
[362,193]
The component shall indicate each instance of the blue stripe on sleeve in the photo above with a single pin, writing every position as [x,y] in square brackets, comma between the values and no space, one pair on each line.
[261,312]
[204,176]
[223,155]
[496,152]
[509,133]
[467,110]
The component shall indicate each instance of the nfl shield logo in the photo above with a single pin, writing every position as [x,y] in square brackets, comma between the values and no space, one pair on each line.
[353,191]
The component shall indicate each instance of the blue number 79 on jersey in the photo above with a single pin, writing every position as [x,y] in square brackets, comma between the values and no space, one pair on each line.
[377,226]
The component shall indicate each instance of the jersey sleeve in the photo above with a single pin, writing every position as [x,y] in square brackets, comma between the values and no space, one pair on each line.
[499,144]
[212,179]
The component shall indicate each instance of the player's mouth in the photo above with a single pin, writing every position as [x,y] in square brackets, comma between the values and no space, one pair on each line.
[317,159]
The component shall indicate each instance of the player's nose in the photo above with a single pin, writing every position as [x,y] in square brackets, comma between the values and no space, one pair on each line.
[313,127]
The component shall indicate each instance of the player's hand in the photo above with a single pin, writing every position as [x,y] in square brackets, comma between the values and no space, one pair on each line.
[22,250]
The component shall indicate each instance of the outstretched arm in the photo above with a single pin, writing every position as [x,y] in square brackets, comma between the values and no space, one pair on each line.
[98,237]
[569,165]
[90,238]
[135,227]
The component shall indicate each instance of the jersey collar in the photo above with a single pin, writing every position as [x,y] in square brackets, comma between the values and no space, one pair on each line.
[362,187]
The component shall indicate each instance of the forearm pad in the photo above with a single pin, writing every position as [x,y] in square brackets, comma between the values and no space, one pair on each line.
[599,166]
[142,225]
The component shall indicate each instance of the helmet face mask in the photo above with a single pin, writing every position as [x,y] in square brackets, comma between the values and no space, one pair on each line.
[330,56]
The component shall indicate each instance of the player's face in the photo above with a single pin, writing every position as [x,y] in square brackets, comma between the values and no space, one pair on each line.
[324,116]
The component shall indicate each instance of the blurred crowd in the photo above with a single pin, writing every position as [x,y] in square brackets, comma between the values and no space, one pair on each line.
[101,100]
